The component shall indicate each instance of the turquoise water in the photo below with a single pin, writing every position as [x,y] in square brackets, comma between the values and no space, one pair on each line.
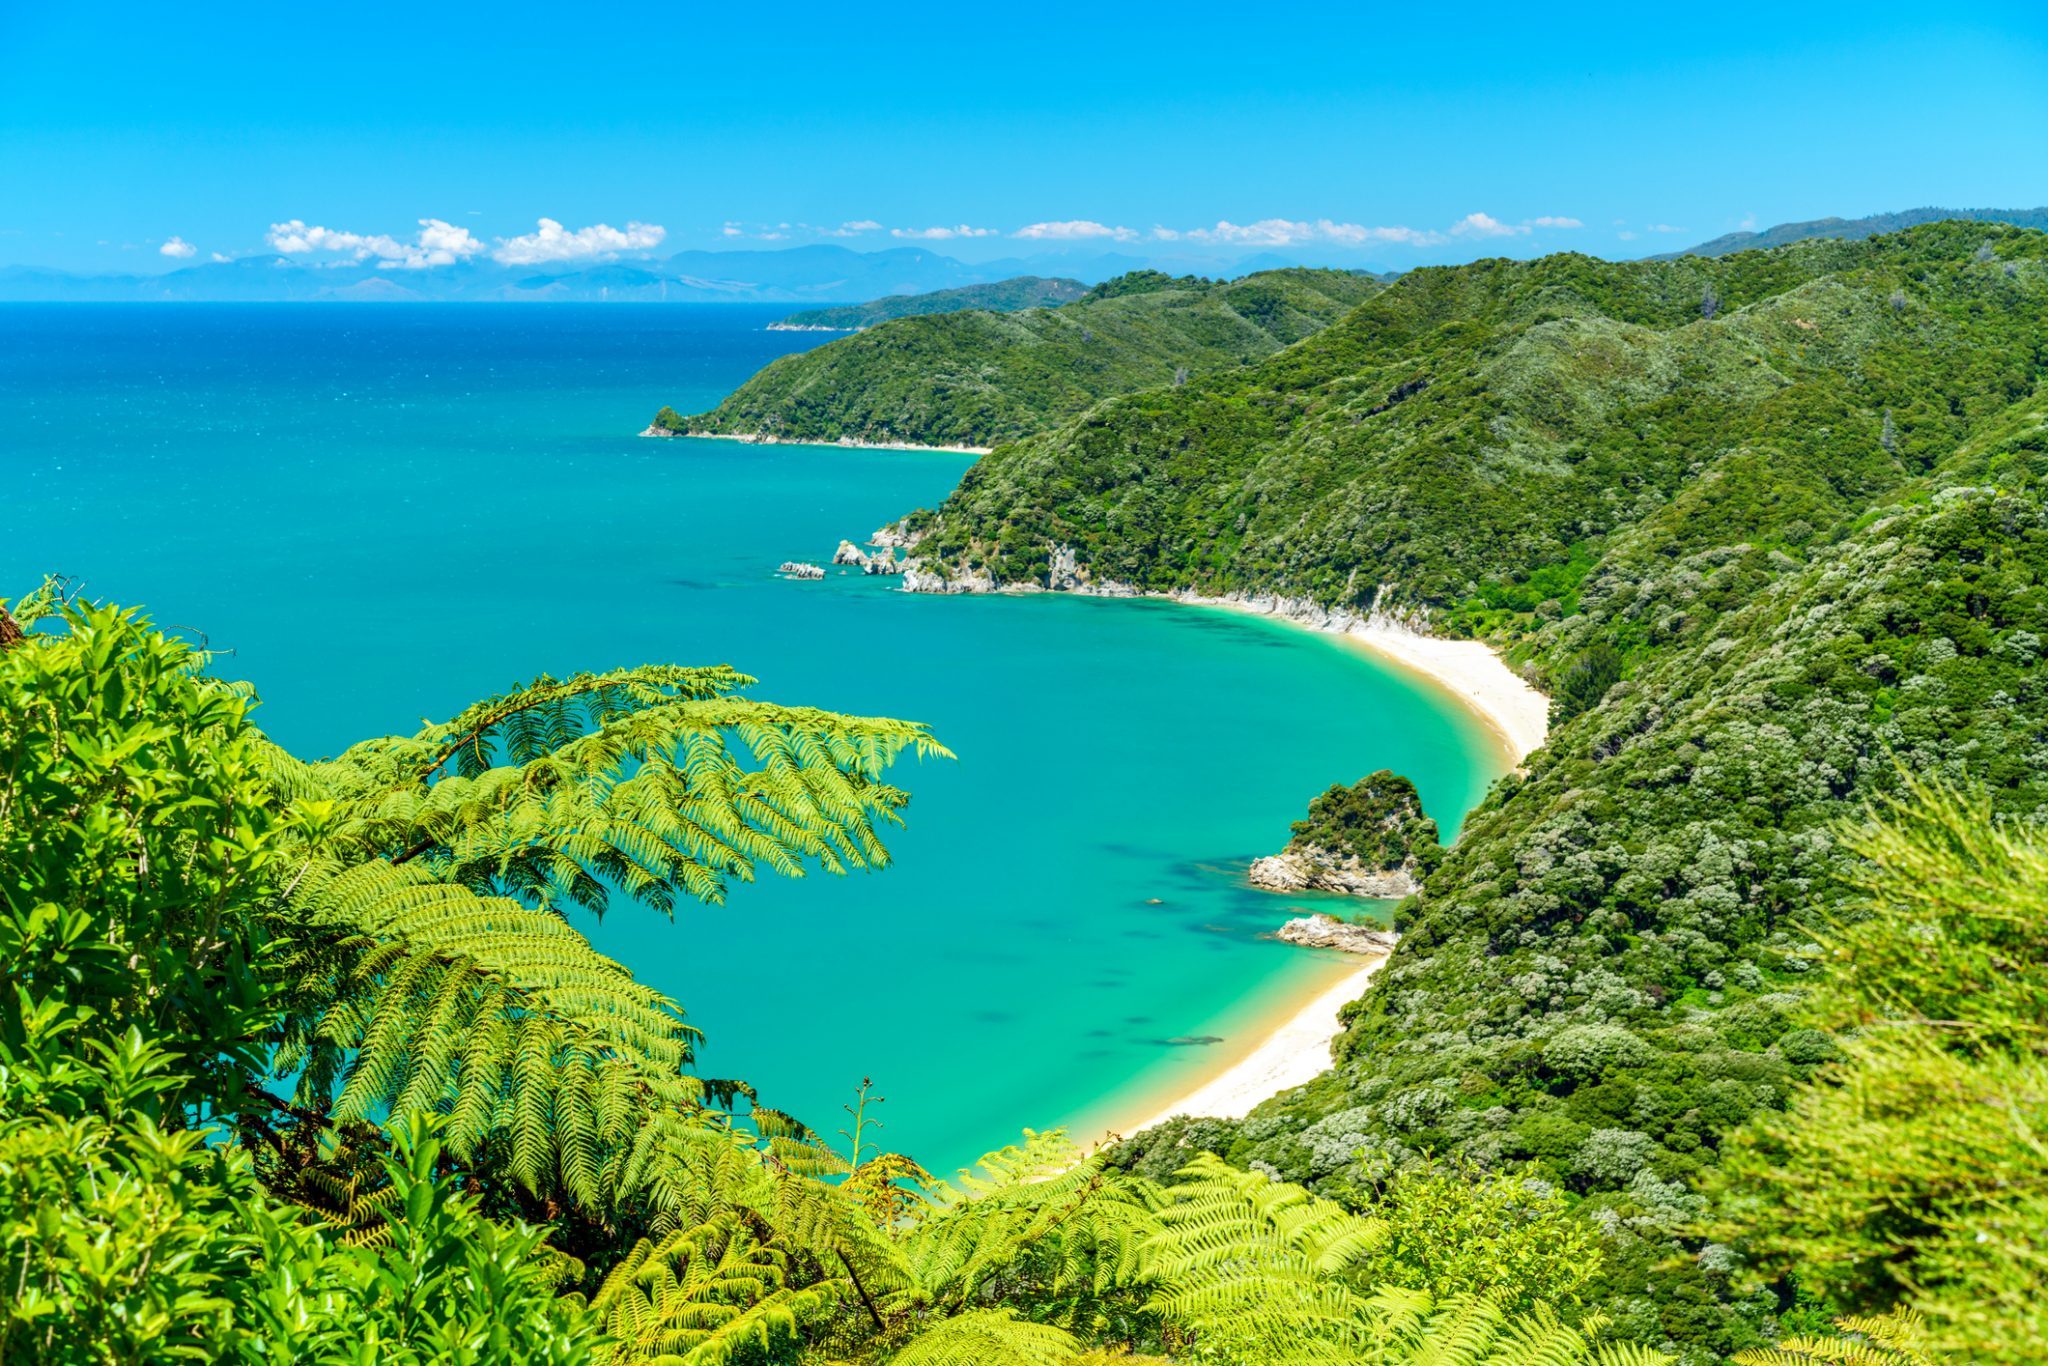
[388,513]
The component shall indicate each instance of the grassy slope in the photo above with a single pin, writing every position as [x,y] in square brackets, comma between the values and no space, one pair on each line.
[1003,296]
[979,377]
[1803,596]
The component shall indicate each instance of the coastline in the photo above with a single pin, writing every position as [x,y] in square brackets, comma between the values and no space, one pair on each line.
[1469,674]
[1292,1053]
[847,442]
[1475,677]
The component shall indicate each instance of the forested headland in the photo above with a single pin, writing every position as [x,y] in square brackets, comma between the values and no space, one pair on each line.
[1003,296]
[973,378]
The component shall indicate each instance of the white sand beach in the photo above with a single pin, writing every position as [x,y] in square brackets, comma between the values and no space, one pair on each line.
[1475,675]
[1292,1055]
[1472,674]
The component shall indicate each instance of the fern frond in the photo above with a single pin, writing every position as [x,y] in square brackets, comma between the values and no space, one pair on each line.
[1896,1339]
[704,1295]
[989,1337]
[653,781]
[415,996]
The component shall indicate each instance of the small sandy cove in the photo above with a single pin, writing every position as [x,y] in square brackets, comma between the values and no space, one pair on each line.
[1299,1050]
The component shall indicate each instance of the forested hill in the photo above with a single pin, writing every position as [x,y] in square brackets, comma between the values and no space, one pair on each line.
[975,378]
[1772,530]
[1851,229]
[1004,296]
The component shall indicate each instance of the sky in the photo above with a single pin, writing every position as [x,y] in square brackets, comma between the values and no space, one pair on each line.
[148,137]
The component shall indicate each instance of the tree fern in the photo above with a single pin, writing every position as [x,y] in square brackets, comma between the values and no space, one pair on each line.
[703,1296]
[1042,1224]
[432,970]
[654,781]
[989,1337]
[1263,1273]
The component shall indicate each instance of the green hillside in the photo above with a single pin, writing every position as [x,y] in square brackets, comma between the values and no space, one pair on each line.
[976,378]
[1003,296]
[1767,562]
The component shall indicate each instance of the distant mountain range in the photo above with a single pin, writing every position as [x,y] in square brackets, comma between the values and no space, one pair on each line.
[809,274]
[1855,229]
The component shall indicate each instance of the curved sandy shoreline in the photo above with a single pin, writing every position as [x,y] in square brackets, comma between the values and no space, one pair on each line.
[1469,670]
[1476,678]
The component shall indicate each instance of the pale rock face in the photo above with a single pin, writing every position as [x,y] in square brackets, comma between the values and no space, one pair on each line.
[918,579]
[849,553]
[894,535]
[1323,870]
[881,563]
[1066,570]
[1328,932]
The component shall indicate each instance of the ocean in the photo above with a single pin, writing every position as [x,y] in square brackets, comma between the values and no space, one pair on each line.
[384,513]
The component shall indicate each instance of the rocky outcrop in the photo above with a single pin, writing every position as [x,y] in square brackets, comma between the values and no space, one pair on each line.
[653,430]
[1322,870]
[894,535]
[918,579]
[849,553]
[882,562]
[1328,932]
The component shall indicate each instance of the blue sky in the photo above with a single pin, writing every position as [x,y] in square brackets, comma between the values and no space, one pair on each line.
[1367,133]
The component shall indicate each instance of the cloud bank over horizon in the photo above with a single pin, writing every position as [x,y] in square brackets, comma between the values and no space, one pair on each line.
[437,242]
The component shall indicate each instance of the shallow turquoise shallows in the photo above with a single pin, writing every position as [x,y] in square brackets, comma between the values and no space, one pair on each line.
[387,513]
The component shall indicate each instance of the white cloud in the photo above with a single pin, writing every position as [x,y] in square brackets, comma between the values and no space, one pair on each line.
[856,227]
[1073,230]
[1553,221]
[1625,235]
[941,234]
[222,256]
[1665,227]
[179,248]
[1748,223]
[437,244]
[1287,232]
[553,242]
[732,230]
[1484,225]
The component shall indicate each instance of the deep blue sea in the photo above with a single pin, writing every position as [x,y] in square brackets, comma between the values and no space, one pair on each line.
[387,512]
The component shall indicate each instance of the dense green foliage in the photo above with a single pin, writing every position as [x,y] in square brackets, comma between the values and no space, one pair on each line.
[1003,296]
[977,377]
[1918,1173]
[1377,820]
[1765,561]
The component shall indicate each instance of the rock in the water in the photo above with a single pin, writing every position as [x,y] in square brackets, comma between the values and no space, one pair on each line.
[849,553]
[1328,932]
[1321,870]
[882,561]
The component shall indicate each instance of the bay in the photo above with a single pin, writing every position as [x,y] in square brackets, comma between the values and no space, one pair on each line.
[386,513]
